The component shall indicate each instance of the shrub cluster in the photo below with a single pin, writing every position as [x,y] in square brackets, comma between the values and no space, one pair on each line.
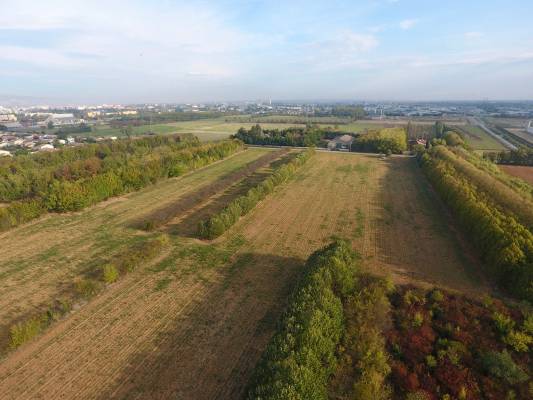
[26,330]
[221,222]
[458,351]
[504,243]
[301,356]
[363,358]
[116,169]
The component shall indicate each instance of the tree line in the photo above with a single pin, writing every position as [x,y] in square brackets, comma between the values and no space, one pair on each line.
[504,243]
[521,156]
[329,335]
[217,224]
[69,188]
[388,140]
[311,135]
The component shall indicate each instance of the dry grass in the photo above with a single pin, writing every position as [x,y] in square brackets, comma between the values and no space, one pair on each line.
[40,260]
[193,324]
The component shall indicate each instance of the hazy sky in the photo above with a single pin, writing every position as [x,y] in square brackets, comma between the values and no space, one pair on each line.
[149,51]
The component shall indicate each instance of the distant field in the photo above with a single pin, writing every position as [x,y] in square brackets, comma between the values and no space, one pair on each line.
[193,323]
[220,128]
[522,172]
[478,139]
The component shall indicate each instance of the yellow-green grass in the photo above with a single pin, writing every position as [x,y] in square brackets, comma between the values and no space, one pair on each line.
[478,139]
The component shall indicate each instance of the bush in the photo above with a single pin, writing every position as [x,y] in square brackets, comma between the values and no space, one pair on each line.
[109,273]
[503,323]
[501,365]
[519,341]
[87,288]
[24,331]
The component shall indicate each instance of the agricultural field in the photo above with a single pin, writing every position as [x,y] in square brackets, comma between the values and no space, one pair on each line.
[519,171]
[480,140]
[193,321]
[222,128]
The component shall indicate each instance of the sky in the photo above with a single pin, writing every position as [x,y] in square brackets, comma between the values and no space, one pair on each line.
[138,51]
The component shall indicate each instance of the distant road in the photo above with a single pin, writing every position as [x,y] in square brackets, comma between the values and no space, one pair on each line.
[477,122]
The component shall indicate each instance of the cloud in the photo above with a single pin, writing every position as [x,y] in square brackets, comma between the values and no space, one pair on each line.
[407,24]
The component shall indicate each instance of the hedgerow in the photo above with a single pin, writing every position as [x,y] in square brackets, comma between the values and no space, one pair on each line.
[217,224]
[114,169]
[505,244]
[301,356]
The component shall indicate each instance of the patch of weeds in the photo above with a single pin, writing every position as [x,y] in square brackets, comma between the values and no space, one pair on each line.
[87,288]
[359,221]
[109,273]
[162,284]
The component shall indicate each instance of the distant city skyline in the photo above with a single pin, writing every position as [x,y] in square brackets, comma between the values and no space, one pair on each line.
[80,52]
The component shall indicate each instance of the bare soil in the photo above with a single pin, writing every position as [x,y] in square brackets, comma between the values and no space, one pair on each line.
[522,172]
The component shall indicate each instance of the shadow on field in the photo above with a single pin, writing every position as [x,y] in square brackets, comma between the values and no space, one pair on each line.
[188,226]
[210,349]
[165,214]
[417,238]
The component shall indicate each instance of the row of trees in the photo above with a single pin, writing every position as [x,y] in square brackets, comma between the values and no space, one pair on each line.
[508,199]
[301,356]
[505,244]
[521,156]
[217,224]
[311,135]
[388,141]
[127,174]
[26,176]
[330,341]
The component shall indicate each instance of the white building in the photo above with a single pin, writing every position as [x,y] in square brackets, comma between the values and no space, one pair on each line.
[63,119]
[8,118]
[530,127]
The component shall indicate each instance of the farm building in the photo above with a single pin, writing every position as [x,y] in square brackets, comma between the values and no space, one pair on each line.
[341,143]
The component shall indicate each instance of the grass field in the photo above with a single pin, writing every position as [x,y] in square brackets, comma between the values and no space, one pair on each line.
[192,323]
[478,139]
[220,128]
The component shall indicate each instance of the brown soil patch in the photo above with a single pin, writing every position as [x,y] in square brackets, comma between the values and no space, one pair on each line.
[522,172]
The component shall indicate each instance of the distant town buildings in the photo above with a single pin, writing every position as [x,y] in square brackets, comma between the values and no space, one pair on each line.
[63,119]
